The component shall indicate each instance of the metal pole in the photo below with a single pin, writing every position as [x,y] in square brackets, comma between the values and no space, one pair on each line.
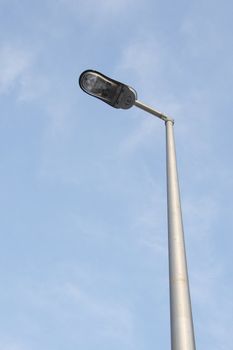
[182,332]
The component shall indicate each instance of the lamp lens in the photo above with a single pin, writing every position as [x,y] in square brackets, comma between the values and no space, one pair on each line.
[89,81]
[99,86]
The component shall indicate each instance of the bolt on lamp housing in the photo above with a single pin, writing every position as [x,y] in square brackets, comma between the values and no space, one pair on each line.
[113,92]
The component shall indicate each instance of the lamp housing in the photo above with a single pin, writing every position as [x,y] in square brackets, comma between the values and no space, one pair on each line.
[111,91]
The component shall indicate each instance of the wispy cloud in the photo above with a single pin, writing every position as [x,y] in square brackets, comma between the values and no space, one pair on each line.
[17,71]
[115,319]
[14,64]
[72,303]
[143,134]
[33,87]
[105,9]
[213,305]
[10,344]
[143,59]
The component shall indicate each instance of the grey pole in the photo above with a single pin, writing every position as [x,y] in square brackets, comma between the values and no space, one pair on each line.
[182,332]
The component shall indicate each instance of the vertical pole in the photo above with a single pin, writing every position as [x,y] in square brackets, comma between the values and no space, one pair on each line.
[182,332]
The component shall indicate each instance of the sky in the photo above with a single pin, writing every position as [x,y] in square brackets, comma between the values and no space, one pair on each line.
[83,226]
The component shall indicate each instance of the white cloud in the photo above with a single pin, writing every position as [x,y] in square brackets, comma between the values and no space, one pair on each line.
[14,63]
[11,345]
[142,134]
[90,10]
[66,301]
[115,319]
[143,58]
[17,70]
[32,87]
[213,305]
[198,29]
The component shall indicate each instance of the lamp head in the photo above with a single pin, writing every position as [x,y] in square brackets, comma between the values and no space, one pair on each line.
[113,92]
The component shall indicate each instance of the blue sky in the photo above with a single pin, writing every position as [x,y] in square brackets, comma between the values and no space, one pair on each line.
[83,253]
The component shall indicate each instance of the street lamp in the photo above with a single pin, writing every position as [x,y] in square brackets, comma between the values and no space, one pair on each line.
[119,95]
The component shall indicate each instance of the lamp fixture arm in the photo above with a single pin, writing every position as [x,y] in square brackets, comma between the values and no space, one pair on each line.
[150,110]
